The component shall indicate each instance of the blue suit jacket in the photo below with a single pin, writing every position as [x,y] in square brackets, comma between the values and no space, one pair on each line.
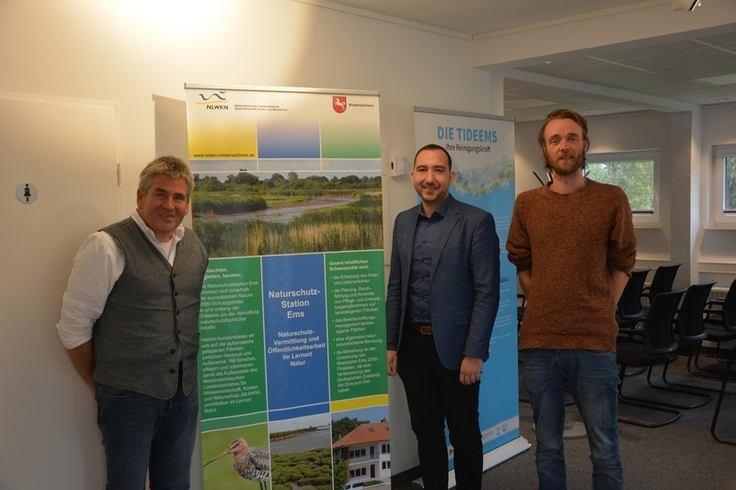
[464,282]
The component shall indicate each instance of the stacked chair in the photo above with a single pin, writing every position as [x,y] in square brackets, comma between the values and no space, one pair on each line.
[689,332]
[719,327]
[666,330]
[629,311]
[650,345]
[727,374]
[664,278]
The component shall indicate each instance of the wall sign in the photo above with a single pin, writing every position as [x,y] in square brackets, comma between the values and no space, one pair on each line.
[26,193]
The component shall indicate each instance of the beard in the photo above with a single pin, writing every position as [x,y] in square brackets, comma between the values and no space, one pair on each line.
[563,168]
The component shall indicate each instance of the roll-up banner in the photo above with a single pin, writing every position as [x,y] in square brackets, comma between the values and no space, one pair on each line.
[482,150]
[287,200]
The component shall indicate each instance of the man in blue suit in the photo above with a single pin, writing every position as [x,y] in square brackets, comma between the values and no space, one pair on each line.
[442,300]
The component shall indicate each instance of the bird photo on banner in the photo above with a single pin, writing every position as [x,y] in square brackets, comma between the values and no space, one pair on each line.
[250,463]
[249,467]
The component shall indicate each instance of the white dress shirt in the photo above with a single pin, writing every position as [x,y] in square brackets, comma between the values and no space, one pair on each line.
[97,266]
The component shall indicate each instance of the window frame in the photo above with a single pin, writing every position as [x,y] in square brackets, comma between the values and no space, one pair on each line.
[641,219]
[718,217]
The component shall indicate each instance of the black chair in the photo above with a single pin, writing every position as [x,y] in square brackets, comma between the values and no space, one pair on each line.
[655,348]
[689,332]
[520,309]
[727,373]
[629,311]
[720,326]
[664,278]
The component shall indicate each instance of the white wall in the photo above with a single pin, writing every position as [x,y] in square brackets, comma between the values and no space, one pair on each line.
[717,253]
[127,52]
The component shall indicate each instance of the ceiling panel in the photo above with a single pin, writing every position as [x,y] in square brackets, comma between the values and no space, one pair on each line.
[705,70]
[660,49]
[689,57]
[674,70]
[633,81]
[667,88]
[705,92]
[594,72]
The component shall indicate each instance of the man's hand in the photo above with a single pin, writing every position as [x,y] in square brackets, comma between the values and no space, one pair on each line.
[84,362]
[392,362]
[525,281]
[470,370]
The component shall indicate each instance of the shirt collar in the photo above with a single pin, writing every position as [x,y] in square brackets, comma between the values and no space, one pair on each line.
[440,211]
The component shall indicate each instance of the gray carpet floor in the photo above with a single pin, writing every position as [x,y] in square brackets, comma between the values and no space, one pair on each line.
[678,456]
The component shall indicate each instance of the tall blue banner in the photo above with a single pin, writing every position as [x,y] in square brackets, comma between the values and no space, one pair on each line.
[482,150]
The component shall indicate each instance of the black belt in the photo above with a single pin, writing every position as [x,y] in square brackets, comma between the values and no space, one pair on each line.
[422,329]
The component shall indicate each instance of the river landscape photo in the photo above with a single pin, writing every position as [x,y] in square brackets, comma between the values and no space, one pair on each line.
[244,215]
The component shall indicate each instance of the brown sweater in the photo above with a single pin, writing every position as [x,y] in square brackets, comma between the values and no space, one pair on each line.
[571,243]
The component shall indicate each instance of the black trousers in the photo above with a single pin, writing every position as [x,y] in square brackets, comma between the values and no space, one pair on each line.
[435,395]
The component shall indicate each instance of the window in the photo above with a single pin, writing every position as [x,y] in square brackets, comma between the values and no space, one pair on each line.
[385,448]
[356,453]
[386,465]
[723,205]
[637,173]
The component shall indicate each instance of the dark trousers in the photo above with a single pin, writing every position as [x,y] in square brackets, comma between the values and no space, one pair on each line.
[435,394]
[142,434]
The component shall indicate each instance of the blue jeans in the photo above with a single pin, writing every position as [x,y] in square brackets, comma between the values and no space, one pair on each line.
[142,433]
[593,381]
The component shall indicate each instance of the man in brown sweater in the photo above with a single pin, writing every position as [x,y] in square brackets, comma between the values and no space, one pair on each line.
[573,244]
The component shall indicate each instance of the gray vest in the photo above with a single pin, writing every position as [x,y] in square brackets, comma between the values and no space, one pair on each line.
[151,313]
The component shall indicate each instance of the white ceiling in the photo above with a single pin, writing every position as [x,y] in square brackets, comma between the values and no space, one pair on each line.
[479,16]
[698,70]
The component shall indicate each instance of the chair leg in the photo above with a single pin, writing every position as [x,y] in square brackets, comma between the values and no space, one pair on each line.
[726,375]
[635,372]
[710,371]
[689,390]
[718,357]
[643,403]
[700,371]
[713,373]
[690,363]
[693,373]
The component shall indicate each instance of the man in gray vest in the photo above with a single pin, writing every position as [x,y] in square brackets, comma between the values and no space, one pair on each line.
[129,322]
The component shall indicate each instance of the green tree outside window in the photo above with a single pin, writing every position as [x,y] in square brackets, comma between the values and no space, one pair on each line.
[636,178]
[729,204]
